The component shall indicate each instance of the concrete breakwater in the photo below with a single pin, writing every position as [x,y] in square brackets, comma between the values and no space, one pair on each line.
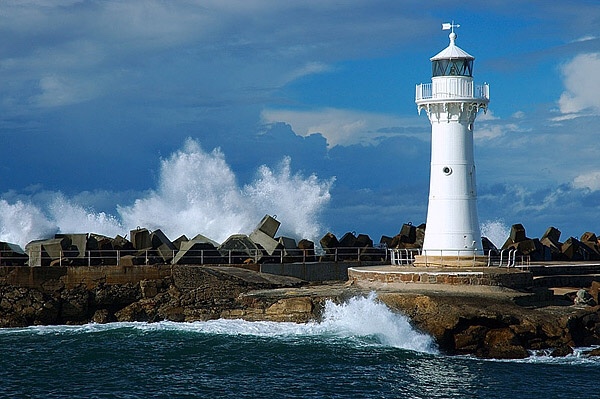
[484,321]
[145,247]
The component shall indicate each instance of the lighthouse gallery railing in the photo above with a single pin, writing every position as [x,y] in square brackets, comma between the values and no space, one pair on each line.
[452,89]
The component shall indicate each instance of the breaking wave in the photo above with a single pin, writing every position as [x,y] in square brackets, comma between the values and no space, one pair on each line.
[360,321]
[197,193]
[496,231]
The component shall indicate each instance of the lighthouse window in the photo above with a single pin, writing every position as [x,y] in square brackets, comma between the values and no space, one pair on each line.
[447,170]
[458,67]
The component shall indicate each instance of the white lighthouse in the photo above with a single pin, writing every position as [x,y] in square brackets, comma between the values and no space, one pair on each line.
[452,100]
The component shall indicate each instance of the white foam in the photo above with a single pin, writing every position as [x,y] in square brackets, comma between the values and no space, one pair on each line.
[496,231]
[21,222]
[362,320]
[543,357]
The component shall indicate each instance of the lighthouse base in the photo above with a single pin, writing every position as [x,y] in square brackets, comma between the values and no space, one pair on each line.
[450,261]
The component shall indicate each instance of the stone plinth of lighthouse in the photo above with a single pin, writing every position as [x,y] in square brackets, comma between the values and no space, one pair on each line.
[452,101]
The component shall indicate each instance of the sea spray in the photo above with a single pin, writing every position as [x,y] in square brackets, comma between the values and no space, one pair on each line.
[74,218]
[366,317]
[197,192]
[496,231]
[21,222]
[295,199]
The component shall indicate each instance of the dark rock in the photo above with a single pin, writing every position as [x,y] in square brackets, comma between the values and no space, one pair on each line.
[103,316]
[593,352]
[75,305]
[502,343]
[561,351]
[584,298]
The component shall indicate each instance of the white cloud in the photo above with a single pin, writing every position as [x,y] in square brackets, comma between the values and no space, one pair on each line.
[582,84]
[590,180]
[58,90]
[339,126]
[486,116]
[488,132]
[309,68]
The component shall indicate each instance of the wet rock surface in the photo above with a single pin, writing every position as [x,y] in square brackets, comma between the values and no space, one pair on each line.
[489,322]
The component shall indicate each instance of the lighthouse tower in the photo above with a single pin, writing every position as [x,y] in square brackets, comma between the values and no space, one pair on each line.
[451,100]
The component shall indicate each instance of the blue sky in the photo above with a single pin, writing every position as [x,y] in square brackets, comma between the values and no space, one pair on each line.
[98,97]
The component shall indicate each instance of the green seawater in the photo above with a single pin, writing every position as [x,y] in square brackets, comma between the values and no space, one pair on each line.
[360,350]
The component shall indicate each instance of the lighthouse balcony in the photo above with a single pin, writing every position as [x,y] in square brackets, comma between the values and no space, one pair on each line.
[456,90]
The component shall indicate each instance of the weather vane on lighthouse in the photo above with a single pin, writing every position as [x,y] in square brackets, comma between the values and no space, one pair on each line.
[452,101]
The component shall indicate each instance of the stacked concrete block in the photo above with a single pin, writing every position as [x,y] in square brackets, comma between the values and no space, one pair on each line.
[590,240]
[163,246]
[140,239]
[45,252]
[239,248]
[551,240]
[268,225]
[177,242]
[101,250]
[489,247]
[575,250]
[12,255]
[409,237]
[264,235]
[307,248]
[74,248]
[199,250]
[290,251]
[526,246]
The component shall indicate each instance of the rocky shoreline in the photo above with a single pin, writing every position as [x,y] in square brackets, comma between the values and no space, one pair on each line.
[488,322]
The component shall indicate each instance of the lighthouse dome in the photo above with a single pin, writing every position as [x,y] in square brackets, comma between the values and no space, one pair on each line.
[452,61]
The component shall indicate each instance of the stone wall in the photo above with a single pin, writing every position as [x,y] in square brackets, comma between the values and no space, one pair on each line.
[479,276]
[80,294]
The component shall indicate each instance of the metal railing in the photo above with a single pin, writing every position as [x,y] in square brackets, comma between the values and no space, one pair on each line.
[452,89]
[8,257]
[506,258]
[203,256]
[403,256]
[460,256]
[509,258]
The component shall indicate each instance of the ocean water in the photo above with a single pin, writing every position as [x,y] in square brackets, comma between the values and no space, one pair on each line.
[359,350]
